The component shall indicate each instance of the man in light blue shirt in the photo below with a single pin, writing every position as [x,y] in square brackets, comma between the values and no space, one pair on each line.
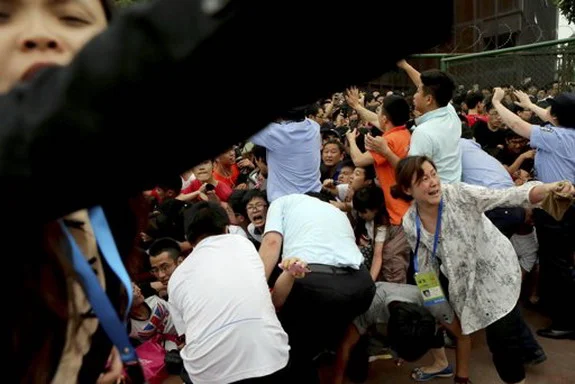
[438,129]
[293,150]
[338,288]
[480,168]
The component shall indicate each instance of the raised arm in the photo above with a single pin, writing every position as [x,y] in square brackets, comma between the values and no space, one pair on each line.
[525,102]
[514,122]
[359,158]
[352,98]
[531,193]
[413,73]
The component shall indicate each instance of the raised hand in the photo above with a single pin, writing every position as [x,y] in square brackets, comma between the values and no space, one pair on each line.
[523,99]
[498,94]
[352,97]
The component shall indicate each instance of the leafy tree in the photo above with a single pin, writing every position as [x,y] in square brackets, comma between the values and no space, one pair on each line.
[567,9]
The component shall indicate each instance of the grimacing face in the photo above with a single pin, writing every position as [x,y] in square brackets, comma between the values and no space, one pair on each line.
[37,33]
[428,189]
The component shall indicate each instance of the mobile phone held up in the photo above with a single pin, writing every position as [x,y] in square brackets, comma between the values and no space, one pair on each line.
[210,187]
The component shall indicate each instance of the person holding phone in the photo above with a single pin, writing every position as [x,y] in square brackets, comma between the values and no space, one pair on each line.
[205,186]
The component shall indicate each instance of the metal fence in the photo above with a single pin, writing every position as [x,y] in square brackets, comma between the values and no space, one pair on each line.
[543,63]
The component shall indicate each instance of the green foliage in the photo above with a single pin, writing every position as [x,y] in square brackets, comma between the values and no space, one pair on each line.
[567,9]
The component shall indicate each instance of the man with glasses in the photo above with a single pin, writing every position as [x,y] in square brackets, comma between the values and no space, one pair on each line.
[165,256]
[256,205]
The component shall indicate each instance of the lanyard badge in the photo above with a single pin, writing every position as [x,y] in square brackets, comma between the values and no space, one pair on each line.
[108,317]
[428,282]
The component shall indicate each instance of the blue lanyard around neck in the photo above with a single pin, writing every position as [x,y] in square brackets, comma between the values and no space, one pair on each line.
[435,239]
[107,315]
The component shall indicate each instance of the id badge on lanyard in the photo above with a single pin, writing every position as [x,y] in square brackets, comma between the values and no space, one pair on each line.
[428,282]
[113,325]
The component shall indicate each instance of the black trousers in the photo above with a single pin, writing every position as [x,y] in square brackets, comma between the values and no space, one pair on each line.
[507,220]
[505,341]
[317,312]
[510,342]
[278,377]
[557,274]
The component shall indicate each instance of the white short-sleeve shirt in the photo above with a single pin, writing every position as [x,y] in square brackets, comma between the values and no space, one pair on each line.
[219,298]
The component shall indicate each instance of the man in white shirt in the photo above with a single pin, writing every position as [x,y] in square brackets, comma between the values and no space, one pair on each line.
[438,128]
[220,300]
[318,307]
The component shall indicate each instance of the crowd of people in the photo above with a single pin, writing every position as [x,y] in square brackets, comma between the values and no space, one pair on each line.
[366,224]
[370,209]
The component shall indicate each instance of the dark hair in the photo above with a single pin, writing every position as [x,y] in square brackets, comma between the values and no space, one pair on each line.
[312,109]
[406,168]
[294,114]
[369,172]
[459,98]
[259,153]
[368,198]
[371,197]
[327,126]
[323,196]
[171,182]
[510,135]
[473,98]
[488,103]
[236,202]
[336,142]
[169,222]
[372,108]
[466,130]
[346,163]
[205,219]
[411,330]
[253,194]
[165,244]
[396,109]
[438,84]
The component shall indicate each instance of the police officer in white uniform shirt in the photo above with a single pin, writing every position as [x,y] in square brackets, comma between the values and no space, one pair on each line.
[338,287]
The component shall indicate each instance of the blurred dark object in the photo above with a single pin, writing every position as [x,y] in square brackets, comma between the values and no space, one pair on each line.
[174,362]
[169,220]
[190,48]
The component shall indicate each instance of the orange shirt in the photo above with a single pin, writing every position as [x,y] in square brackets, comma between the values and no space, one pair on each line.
[398,139]
[231,180]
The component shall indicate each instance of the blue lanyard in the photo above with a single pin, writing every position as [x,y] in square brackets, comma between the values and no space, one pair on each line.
[107,315]
[435,239]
